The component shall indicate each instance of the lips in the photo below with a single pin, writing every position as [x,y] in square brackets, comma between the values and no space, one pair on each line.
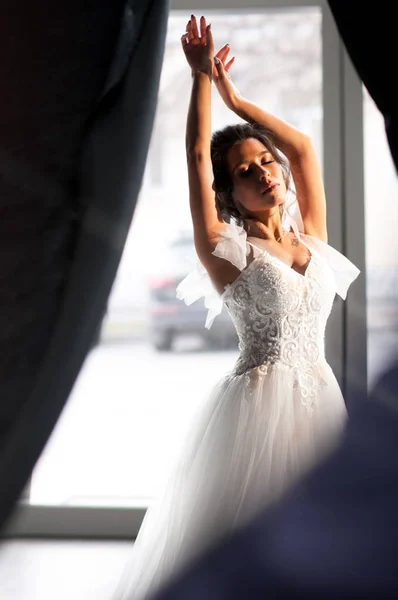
[269,187]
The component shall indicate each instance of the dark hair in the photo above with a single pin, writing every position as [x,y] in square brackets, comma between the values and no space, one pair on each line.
[221,142]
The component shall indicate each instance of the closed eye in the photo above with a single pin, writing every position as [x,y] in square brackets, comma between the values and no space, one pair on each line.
[247,172]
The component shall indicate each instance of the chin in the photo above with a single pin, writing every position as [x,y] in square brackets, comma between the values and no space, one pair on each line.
[273,202]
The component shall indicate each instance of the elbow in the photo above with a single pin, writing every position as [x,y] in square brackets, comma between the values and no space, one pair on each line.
[304,144]
[197,143]
[193,153]
[197,154]
[302,148]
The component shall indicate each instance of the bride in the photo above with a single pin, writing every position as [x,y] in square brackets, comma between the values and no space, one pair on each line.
[263,253]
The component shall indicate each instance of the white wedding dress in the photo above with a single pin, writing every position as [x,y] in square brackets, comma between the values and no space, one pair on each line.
[266,423]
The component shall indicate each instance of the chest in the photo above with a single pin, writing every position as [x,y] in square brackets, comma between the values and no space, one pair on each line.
[290,251]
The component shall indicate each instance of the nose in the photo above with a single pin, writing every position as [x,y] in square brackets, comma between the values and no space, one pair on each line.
[263,173]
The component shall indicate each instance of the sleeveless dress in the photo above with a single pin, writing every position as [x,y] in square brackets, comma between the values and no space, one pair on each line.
[265,424]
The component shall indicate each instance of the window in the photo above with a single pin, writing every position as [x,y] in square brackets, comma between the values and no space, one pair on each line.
[381,217]
[143,381]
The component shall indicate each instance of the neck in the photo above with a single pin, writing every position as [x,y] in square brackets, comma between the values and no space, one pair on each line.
[267,226]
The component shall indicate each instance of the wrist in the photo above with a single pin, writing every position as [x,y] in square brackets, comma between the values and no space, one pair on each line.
[204,70]
[236,103]
[200,72]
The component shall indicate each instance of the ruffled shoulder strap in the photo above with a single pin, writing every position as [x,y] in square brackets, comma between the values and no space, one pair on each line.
[344,270]
[232,247]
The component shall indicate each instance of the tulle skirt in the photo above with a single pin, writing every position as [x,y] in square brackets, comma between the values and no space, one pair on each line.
[252,439]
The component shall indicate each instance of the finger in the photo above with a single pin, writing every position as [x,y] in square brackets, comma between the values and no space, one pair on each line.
[209,36]
[229,64]
[223,52]
[220,69]
[189,30]
[194,26]
[215,71]
[184,39]
[203,26]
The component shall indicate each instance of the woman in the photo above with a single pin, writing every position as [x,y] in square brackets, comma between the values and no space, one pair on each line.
[280,409]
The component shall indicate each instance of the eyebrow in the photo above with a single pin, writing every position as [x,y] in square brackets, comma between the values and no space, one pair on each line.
[245,162]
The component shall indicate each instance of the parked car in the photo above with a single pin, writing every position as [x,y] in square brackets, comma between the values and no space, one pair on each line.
[170,317]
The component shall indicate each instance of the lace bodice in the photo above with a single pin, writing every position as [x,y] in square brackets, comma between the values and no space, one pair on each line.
[280,315]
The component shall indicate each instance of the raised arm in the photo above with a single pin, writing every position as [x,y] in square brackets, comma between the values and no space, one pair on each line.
[199,49]
[207,224]
[296,146]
